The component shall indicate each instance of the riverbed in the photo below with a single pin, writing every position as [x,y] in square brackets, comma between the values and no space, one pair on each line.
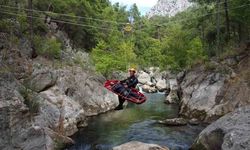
[136,123]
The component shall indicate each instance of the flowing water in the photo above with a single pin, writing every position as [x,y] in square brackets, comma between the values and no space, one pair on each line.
[136,122]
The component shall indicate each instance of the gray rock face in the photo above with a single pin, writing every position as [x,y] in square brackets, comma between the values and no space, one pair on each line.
[41,102]
[56,105]
[143,77]
[42,79]
[208,95]
[152,80]
[134,145]
[62,105]
[174,122]
[199,93]
[162,85]
[168,8]
[173,97]
[15,119]
[87,90]
[230,132]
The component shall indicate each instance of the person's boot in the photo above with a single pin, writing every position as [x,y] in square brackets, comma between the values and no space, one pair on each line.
[119,107]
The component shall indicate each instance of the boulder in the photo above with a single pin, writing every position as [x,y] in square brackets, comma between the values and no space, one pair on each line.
[36,138]
[87,90]
[162,85]
[135,145]
[230,132]
[150,83]
[149,89]
[155,74]
[143,77]
[173,85]
[172,97]
[174,122]
[193,121]
[57,110]
[199,93]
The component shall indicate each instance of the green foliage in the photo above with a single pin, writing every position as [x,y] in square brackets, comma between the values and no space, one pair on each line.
[5,25]
[195,53]
[59,144]
[177,42]
[151,55]
[49,47]
[111,58]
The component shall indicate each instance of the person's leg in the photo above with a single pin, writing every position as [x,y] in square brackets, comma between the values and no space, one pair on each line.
[121,101]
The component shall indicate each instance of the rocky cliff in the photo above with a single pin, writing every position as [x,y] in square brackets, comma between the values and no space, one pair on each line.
[168,8]
[217,88]
[219,93]
[43,101]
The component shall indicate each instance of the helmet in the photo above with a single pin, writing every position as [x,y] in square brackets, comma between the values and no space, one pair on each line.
[132,69]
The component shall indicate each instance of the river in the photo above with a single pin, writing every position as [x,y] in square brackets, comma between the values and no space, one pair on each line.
[135,122]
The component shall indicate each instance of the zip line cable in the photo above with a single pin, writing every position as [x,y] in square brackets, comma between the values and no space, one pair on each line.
[85,25]
[59,21]
[79,17]
[67,15]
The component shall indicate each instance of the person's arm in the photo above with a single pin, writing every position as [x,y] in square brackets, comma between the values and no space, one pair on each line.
[123,81]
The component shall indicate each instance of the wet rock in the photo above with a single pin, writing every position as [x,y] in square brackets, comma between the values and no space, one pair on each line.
[149,89]
[134,145]
[172,97]
[194,121]
[42,80]
[230,132]
[174,122]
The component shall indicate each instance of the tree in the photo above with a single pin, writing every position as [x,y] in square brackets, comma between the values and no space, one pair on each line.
[134,12]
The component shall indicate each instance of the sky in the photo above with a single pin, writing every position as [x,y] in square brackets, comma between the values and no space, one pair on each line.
[143,5]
